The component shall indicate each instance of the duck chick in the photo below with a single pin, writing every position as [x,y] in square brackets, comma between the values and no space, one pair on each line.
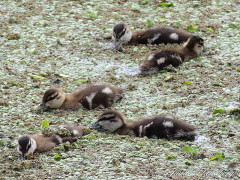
[157,35]
[172,56]
[89,97]
[29,144]
[160,126]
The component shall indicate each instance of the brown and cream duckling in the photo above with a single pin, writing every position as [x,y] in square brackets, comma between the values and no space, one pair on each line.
[158,35]
[172,56]
[160,126]
[29,144]
[89,97]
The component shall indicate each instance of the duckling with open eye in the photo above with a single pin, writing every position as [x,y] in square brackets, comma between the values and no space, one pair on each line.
[160,126]
[158,35]
[29,144]
[89,97]
[172,56]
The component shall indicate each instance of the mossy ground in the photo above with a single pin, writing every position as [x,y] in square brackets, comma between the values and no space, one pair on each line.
[63,40]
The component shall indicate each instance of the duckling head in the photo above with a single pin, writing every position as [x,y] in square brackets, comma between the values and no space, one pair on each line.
[149,66]
[195,44]
[53,98]
[110,121]
[121,35]
[26,145]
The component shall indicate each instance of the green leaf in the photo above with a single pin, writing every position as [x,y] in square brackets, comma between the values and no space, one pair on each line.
[166,4]
[162,20]
[81,81]
[171,157]
[238,69]
[188,83]
[144,2]
[116,16]
[45,123]
[57,157]
[43,73]
[139,143]
[90,136]
[40,78]
[189,149]
[184,87]
[219,111]
[92,15]
[166,106]
[218,157]
[210,30]
[149,23]
[63,75]
[135,49]
[234,26]
[1,143]
[144,148]
[6,62]
[192,29]
[188,163]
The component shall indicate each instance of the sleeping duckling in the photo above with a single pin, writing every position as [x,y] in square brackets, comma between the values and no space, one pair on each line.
[29,144]
[174,56]
[158,35]
[159,126]
[89,97]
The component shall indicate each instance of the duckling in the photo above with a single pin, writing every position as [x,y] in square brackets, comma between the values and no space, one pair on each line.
[123,35]
[160,126]
[172,56]
[29,144]
[89,97]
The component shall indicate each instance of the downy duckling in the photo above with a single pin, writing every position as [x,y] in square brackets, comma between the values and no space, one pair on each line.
[172,56]
[89,97]
[160,126]
[29,144]
[158,35]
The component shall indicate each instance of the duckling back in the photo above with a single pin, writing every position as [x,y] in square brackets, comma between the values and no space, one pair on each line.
[160,59]
[160,35]
[172,55]
[101,96]
[164,127]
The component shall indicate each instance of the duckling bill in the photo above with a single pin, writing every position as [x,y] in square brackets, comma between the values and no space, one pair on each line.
[157,35]
[172,56]
[29,144]
[89,97]
[160,126]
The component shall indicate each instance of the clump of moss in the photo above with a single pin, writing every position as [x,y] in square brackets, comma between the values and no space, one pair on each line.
[13,36]
[60,130]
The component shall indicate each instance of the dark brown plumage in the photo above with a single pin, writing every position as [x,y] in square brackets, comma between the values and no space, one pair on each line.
[160,126]
[147,36]
[172,56]
[157,35]
[29,144]
[89,97]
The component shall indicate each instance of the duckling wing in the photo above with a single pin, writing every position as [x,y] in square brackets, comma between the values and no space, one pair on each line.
[44,143]
[164,127]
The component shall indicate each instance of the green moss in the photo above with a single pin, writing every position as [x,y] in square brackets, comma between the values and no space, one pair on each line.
[219,111]
[64,40]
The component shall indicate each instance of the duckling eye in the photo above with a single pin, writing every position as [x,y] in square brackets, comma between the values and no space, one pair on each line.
[52,97]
